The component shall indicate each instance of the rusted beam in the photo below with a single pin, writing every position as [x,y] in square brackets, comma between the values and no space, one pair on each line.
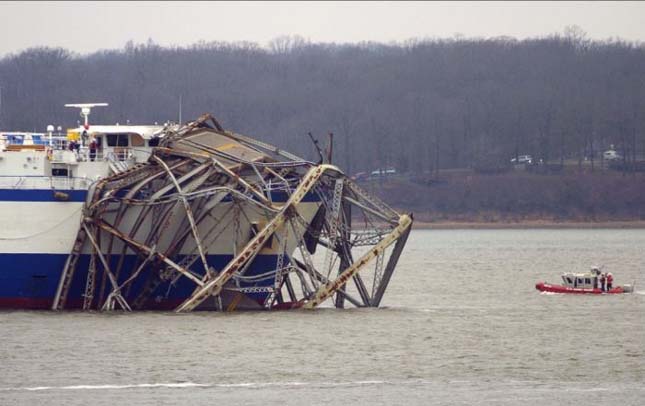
[249,252]
[323,279]
[331,287]
[141,247]
[391,264]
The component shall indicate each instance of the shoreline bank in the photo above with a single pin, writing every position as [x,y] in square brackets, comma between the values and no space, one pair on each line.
[527,225]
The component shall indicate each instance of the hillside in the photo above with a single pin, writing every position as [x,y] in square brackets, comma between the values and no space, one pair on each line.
[423,105]
[516,197]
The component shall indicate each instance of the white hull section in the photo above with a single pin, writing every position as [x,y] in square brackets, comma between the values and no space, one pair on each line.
[51,228]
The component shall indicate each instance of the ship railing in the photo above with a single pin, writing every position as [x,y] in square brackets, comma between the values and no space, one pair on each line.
[83,154]
[44,182]
[120,154]
[58,144]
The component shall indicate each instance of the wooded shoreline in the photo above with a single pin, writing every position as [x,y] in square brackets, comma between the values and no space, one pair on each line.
[426,105]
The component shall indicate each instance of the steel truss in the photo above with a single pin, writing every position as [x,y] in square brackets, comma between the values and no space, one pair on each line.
[216,220]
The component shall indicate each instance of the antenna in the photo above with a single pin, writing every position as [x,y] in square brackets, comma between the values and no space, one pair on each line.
[315,141]
[330,148]
[86,109]
[180,109]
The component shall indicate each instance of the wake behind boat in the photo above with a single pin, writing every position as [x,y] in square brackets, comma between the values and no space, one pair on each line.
[593,282]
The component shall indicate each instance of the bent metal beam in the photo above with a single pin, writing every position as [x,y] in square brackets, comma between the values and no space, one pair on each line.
[219,221]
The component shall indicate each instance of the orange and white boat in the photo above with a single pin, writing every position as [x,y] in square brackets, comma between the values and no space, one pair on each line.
[584,283]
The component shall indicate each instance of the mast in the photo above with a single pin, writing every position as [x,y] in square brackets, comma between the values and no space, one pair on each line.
[86,109]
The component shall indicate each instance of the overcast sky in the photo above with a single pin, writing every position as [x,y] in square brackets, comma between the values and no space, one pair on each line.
[85,27]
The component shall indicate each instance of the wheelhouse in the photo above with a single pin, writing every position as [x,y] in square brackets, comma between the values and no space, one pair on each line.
[580,280]
[118,143]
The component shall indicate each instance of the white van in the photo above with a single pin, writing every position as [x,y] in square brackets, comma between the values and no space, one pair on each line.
[522,159]
[611,155]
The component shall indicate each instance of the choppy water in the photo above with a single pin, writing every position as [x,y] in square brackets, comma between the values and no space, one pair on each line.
[462,325]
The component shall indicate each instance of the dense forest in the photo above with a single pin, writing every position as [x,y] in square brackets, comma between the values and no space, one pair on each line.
[418,106]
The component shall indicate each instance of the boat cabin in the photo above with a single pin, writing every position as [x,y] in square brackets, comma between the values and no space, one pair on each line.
[587,280]
[115,142]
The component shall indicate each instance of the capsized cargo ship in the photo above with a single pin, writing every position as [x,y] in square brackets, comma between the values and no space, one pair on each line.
[185,217]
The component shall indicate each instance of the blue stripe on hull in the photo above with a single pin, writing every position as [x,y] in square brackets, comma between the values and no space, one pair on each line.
[47,195]
[40,195]
[35,277]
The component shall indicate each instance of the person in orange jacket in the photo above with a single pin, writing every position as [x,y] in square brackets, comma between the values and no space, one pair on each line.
[610,281]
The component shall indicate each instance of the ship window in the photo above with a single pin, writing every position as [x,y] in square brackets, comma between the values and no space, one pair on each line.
[587,281]
[117,140]
[569,281]
[136,140]
[59,171]
[579,281]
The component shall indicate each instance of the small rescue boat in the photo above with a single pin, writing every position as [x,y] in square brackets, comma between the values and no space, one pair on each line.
[593,282]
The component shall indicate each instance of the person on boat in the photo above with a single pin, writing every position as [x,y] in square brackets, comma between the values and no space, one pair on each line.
[92,149]
[602,282]
[610,281]
[596,273]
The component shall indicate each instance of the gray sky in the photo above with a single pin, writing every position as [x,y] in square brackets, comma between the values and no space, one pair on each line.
[88,26]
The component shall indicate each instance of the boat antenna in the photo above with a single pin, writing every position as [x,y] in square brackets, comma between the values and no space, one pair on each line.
[86,109]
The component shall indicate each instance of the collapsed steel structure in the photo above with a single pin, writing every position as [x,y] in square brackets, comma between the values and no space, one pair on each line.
[217,220]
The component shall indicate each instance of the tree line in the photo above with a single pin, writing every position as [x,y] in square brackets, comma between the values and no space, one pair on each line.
[418,106]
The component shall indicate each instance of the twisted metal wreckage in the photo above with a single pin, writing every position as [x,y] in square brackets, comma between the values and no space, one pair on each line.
[220,221]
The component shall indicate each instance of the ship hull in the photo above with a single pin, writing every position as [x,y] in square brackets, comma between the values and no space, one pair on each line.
[29,281]
[39,231]
[546,287]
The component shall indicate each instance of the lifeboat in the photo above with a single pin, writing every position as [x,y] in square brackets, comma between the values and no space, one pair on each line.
[591,283]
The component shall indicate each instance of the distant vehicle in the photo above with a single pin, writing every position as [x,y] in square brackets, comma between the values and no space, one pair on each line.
[522,159]
[383,172]
[611,155]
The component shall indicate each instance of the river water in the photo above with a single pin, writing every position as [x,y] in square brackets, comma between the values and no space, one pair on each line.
[462,324]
